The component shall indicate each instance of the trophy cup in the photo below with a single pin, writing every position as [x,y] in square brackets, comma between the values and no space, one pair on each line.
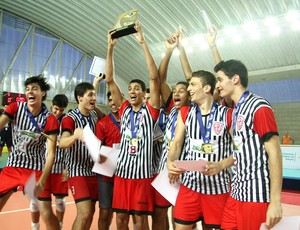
[125,24]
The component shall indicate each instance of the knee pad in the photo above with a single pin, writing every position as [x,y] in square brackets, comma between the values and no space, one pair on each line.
[34,206]
[60,204]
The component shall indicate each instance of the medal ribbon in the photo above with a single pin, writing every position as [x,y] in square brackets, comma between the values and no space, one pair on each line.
[237,108]
[114,120]
[83,120]
[135,123]
[173,125]
[161,122]
[33,121]
[206,131]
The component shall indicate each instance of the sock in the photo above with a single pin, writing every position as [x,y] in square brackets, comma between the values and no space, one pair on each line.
[35,226]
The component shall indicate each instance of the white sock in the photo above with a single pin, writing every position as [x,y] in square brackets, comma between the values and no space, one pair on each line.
[35,226]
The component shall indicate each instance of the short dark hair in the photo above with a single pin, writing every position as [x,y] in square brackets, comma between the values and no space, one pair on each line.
[60,100]
[81,89]
[148,90]
[233,67]
[143,85]
[207,78]
[183,83]
[41,81]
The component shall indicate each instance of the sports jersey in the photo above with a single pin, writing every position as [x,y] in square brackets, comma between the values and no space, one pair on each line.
[108,131]
[137,164]
[253,124]
[59,163]
[78,160]
[29,146]
[221,143]
[168,137]
[159,128]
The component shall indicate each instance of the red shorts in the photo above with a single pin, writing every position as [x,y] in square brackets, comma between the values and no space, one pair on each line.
[12,177]
[133,196]
[192,206]
[84,188]
[54,185]
[244,215]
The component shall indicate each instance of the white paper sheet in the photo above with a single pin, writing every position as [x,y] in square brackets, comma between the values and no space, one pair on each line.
[287,222]
[199,165]
[162,185]
[92,143]
[98,66]
[30,186]
[107,168]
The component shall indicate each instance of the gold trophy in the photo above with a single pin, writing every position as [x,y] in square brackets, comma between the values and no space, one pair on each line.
[125,24]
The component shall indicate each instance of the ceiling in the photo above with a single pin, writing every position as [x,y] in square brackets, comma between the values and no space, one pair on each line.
[85,24]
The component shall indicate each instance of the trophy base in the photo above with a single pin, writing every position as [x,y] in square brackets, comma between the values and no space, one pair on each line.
[121,32]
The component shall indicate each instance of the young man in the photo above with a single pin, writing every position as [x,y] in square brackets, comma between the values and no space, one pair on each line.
[82,181]
[203,130]
[133,193]
[6,137]
[256,187]
[108,131]
[34,127]
[56,183]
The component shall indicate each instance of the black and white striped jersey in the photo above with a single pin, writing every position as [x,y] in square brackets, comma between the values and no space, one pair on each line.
[221,141]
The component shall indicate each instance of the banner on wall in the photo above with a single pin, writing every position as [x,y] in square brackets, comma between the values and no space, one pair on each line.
[291,156]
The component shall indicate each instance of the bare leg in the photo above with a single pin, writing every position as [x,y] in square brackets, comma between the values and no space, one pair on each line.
[4,199]
[48,216]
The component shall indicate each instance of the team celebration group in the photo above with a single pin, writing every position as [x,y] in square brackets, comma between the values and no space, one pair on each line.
[206,116]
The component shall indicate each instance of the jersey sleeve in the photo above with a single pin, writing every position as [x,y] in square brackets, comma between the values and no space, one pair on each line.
[11,110]
[68,124]
[265,123]
[154,112]
[123,107]
[52,125]
[184,112]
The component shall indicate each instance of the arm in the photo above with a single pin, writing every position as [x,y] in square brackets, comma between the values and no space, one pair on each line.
[152,68]
[67,139]
[51,151]
[165,89]
[110,81]
[293,140]
[176,150]
[211,38]
[274,212]
[185,64]
[4,119]
[213,168]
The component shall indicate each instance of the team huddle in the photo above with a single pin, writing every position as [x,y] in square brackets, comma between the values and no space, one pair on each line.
[205,116]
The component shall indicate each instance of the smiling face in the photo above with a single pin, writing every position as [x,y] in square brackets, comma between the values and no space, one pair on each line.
[113,108]
[136,94]
[225,85]
[88,101]
[34,94]
[196,90]
[180,96]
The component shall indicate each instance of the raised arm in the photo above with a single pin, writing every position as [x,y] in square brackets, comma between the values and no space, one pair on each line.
[211,38]
[185,64]
[165,89]
[152,68]
[110,81]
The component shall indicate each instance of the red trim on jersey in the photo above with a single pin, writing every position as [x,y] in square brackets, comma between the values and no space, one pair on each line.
[229,118]
[68,124]
[171,105]
[11,110]
[264,122]
[184,112]
[52,125]
[123,107]
[154,112]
